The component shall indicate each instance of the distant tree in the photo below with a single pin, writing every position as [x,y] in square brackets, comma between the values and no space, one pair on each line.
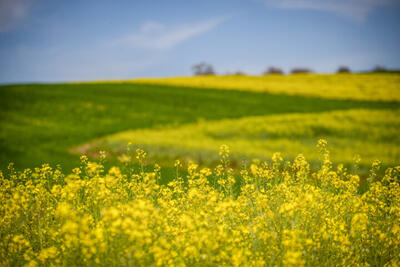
[273,70]
[343,69]
[300,70]
[203,69]
[379,68]
[240,73]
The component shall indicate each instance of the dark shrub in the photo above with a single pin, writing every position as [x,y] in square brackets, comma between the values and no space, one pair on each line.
[300,70]
[379,68]
[240,73]
[343,69]
[273,70]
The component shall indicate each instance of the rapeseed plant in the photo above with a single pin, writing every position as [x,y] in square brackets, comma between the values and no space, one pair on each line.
[279,213]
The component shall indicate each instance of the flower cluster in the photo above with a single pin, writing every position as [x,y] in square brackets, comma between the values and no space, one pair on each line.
[269,213]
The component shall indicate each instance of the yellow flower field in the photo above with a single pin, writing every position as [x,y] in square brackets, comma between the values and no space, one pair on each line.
[273,213]
[368,86]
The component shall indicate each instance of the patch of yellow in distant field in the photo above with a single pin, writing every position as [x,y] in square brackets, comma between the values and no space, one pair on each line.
[371,86]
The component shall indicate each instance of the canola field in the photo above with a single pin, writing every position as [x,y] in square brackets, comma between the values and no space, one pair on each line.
[276,214]
[202,171]
[367,86]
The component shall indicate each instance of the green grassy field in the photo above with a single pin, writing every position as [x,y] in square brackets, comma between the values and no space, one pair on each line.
[47,123]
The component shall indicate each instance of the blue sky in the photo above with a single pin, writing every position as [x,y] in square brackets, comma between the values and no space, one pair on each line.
[52,40]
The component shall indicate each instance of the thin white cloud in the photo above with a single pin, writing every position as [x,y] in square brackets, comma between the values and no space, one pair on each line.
[153,35]
[356,10]
[12,12]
